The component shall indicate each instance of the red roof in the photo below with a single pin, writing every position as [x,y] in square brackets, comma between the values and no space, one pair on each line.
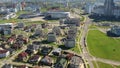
[35,57]
[23,66]
[23,54]
[3,51]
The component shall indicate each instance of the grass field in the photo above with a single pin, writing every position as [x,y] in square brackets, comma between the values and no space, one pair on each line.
[103,46]
[104,65]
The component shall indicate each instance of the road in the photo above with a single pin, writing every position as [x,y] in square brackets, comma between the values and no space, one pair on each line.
[85,53]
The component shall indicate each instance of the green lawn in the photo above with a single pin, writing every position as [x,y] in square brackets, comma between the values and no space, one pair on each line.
[104,65]
[103,46]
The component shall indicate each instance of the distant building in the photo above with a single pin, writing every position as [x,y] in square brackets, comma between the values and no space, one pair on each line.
[109,8]
[72,21]
[7,15]
[88,8]
[57,14]
[114,31]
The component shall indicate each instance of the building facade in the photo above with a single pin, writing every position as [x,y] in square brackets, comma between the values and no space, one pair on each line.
[108,8]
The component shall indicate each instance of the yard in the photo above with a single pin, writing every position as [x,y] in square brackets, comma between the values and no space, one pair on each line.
[103,46]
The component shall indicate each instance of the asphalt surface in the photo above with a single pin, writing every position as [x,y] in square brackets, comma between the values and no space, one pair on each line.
[85,53]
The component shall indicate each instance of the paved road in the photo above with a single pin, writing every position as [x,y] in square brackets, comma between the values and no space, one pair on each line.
[107,61]
[85,53]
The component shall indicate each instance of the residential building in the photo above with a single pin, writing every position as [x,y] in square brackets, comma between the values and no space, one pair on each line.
[61,63]
[46,50]
[33,48]
[34,59]
[70,43]
[23,66]
[22,56]
[7,66]
[20,25]
[57,51]
[88,8]
[51,37]
[72,33]
[109,8]
[39,32]
[76,62]
[57,31]
[4,53]
[46,61]
[72,21]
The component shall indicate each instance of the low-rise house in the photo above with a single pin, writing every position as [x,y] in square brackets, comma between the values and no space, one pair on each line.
[46,61]
[61,63]
[70,43]
[39,32]
[72,21]
[33,48]
[16,46]
[22,56]
[6,29]
[46,50]
[34,59]
[4,53]
[72,32]
[44,25]
[11,40]
[57,52]
[20,25]
[7,15]
[7,66]
[21,39]
[23,66]
[51,37]
[76,62]
[57,30]
[36,42]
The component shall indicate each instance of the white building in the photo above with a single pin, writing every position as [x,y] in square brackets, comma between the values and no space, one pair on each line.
[115,30]
[108,8]
[4,53]
[88,8]
[57,14]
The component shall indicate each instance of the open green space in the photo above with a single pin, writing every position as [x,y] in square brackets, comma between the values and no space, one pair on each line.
[103,46]
[104,65]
